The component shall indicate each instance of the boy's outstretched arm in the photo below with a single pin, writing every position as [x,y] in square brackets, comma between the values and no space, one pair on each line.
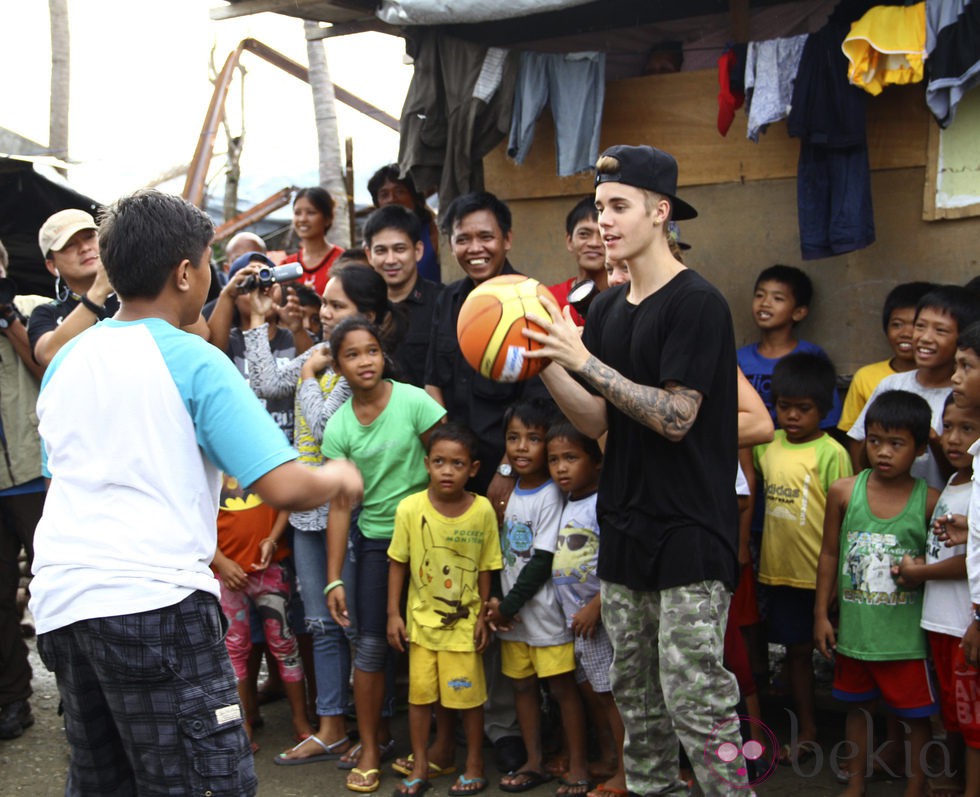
[827,563]
[397,634]
[297,487]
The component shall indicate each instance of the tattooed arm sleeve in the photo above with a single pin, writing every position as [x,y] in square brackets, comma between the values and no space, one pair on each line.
[669,411]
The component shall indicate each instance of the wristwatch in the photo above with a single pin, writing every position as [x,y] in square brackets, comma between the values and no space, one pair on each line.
[505,470]
[976,614]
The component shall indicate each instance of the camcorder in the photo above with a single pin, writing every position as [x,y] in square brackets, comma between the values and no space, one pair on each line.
[8,312]
[270,275]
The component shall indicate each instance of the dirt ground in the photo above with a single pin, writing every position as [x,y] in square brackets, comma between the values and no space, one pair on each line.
[35,763]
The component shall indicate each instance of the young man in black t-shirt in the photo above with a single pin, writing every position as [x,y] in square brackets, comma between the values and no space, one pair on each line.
[658,363]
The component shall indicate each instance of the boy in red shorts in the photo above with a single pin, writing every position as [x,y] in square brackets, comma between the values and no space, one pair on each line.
[871,521]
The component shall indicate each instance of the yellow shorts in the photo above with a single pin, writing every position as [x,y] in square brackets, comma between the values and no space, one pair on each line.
[520,660]
[451,678]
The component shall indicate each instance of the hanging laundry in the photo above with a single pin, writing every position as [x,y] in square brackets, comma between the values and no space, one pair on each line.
[828,116]
[887,46]
[770,70]
[729,100]
[953,63]
[456,111]
[574,84]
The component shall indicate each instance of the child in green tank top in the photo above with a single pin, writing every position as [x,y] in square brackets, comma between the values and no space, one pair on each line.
[872,520]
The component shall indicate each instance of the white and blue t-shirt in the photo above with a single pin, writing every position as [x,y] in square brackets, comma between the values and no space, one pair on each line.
[137,419]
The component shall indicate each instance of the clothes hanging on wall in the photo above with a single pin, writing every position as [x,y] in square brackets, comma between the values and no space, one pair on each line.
[953,64]
[730,99]
[457,109]
[828,116]
[574,84]
[887,46]
[770,70]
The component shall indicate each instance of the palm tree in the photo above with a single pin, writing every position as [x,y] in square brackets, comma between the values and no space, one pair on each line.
[60,77]
[328,139]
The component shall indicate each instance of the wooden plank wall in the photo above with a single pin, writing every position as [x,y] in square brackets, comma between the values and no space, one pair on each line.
[678,113]
[746,196]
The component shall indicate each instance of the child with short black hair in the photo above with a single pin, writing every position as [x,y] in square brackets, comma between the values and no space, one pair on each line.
[536,642]
[255,574]
[898,322]
[946,611]
[446,544]
[939,316]
[797,469]
[122,552]
[872,520]
[383,429]
[574,462]
[780,301]
[966,394]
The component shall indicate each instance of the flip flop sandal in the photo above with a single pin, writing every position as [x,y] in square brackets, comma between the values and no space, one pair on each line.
[602,790]
[329,752]
[404,766]
[387,753]
[531,780]
[569,789]
[420,786]
[372,778]
[458,789]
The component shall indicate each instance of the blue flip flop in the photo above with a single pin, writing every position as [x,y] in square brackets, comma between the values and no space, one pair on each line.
[420,786]
[462,780]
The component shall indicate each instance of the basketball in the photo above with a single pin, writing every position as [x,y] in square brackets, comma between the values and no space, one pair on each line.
[490,324]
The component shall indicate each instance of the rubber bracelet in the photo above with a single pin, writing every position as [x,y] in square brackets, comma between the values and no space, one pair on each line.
[333,585]
[91,306]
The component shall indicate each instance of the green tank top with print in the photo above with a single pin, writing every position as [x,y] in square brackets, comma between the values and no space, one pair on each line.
[879,620]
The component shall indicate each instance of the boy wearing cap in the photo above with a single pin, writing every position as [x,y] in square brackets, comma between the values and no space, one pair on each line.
[125,602]
[69,242]
[658,361]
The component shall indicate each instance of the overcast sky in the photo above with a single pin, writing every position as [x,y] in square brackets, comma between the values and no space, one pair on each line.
[140,88]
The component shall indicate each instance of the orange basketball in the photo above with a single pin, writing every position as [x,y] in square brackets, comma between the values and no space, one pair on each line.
[490,324]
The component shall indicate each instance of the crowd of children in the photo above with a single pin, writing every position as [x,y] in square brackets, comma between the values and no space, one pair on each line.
[868,554]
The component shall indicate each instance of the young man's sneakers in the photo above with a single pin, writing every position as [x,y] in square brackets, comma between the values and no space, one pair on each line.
[15,718]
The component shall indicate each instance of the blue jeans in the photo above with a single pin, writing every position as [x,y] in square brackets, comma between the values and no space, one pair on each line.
[368,603]
[331,650]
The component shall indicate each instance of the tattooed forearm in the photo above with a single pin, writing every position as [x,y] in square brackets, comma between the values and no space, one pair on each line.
[669,411]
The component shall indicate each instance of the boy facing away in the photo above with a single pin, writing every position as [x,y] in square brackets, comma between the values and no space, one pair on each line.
[536,642]
[797,469]
[446,543]
[872,521]
[129,520]
[781,300]
[939,317]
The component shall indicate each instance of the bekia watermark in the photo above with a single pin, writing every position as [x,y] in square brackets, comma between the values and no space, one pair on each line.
[754,762]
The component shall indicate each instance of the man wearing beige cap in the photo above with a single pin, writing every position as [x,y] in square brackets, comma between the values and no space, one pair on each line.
[69,242]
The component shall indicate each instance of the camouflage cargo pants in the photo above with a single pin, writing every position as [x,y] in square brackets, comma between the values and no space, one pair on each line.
[669,683]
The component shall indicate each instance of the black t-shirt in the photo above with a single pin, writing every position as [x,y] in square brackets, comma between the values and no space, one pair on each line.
[471,399]
[667,511]
[412,352]
[47,317]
